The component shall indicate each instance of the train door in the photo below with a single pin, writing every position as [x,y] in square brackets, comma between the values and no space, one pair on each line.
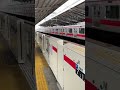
[76,31]
[96,15]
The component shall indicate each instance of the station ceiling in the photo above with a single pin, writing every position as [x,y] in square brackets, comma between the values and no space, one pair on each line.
[70,17]
[45,7]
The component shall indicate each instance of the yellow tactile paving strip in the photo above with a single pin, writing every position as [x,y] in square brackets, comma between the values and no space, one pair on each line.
[40,64]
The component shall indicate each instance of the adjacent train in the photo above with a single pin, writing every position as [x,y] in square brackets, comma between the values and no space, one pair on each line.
[103,15]
[74,31]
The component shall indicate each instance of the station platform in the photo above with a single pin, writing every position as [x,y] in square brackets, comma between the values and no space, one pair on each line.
[11,77]
[45,79]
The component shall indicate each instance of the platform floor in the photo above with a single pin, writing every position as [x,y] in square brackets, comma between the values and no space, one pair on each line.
[44,77]
[11,77]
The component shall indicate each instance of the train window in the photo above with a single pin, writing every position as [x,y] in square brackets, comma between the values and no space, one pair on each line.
[96,11]
[86,11]
[82,30]
[112,11]
[70,30]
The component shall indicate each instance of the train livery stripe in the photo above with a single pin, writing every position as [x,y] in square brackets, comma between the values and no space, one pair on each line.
[89,86]
[54,48]
[105,22]
[70,62]
[110,22]
[70,34]
[88,20]
[52,32]
[62,33]
[81,35]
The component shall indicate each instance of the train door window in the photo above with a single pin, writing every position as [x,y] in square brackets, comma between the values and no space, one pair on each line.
[86,11]
[70,30]
[112,11]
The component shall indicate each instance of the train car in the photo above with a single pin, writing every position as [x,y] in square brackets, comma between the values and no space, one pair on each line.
[77,31]
[74,31]
[103,15]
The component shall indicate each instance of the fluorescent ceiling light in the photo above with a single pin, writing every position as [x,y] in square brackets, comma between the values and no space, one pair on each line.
[66,6]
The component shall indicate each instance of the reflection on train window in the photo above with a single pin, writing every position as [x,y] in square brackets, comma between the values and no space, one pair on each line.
[112,11]
[82,30]
[70,30]
[86,11]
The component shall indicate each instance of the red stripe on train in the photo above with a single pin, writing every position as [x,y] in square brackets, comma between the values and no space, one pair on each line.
[70,62]
[62,33]
[56,32]
[54,48]
[69,34]
[81,35]
[110,22]
[52,32]
[88,20]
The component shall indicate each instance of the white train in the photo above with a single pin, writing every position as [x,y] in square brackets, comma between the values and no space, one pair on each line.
[74,31]
[60,56]
[103,15]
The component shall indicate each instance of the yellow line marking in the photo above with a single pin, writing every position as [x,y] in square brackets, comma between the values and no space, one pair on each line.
[40,64]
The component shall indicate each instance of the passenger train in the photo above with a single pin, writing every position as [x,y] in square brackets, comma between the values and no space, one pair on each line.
[103,15]
[74,31]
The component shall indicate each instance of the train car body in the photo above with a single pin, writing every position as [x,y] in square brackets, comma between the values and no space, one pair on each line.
[103,15]
[73,31]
